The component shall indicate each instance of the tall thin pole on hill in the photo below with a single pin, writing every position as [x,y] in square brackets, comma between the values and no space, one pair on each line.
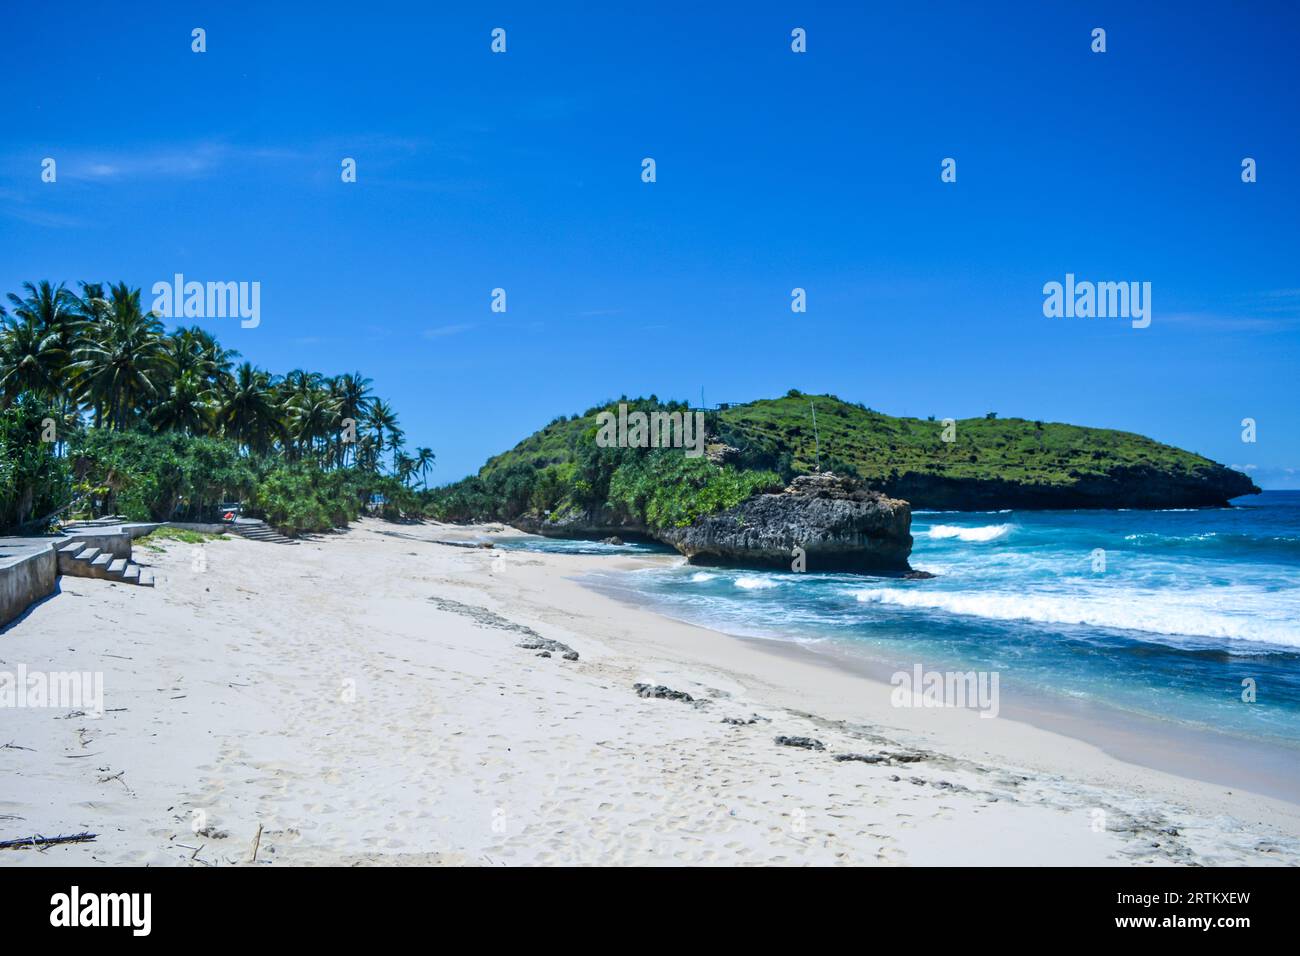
[816,437]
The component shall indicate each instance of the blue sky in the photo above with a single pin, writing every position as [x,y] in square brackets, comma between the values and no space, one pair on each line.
[775,170]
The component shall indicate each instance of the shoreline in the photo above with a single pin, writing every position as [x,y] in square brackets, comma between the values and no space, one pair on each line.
[452,744]
[1263,765]
[1205,755]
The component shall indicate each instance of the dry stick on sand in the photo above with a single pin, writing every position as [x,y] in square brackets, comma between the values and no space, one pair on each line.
[118,777]
[46,841]
[257,841]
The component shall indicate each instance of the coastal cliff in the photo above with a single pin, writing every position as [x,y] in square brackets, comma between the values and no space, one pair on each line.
[1138,487]
[838,524]
[837,479]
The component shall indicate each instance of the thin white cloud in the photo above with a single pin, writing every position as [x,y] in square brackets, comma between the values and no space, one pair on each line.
[174,162]
[1271,477]
[1226,322]
[442,330]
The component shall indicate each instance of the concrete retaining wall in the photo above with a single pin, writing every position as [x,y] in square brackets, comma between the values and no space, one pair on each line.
[140,529]
[25,579]
[30,567]
[115,541]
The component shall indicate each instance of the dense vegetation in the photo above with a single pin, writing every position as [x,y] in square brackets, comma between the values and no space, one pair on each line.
[769,441]
[102,411]
[562,469]
[31,479]
[879,447]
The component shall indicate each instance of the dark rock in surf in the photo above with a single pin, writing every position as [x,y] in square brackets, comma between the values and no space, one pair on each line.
[838,523]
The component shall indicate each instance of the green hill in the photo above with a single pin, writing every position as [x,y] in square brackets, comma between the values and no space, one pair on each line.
[988,463]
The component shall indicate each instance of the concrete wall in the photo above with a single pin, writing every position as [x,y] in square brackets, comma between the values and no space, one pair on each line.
[26,578]
[116,541]
[140,529]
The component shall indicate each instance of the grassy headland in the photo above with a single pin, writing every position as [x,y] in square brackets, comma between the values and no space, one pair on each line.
[989,462]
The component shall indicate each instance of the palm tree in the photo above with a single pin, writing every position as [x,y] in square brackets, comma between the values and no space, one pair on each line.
[293,391]
[396,442]
[30,360]
[185,353]
[424,460]
[352,392]
[311,415]
[196,354]
[51,307]
[92,305]
[383,421]
[121,362]
[186,406]
[215,360]
[403,465]
[51,310]
[367,453]
[248,412]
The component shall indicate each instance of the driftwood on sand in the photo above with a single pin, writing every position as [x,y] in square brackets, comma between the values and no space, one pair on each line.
[39,841]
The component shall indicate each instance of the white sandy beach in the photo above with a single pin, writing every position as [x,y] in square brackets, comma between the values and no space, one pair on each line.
[362,698]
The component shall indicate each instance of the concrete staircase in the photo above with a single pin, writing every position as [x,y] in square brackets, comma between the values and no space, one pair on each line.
[83,560]
[254,529]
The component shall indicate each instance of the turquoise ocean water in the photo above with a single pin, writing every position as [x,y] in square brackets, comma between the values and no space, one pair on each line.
[1189,605]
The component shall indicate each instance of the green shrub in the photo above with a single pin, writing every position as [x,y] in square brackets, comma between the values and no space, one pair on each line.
[34,481]
[659,487]
[167,476]
[666,489]
[301,497]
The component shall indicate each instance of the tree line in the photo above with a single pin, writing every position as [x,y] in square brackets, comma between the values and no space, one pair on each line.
[101,408]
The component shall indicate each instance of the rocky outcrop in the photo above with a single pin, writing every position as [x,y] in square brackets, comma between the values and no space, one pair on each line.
[582,525]
[838,524]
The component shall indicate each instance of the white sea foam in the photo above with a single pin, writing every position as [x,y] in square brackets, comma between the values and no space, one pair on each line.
[699,577]
[755,584]
[1193,614]
[989,532]
[1155,536]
